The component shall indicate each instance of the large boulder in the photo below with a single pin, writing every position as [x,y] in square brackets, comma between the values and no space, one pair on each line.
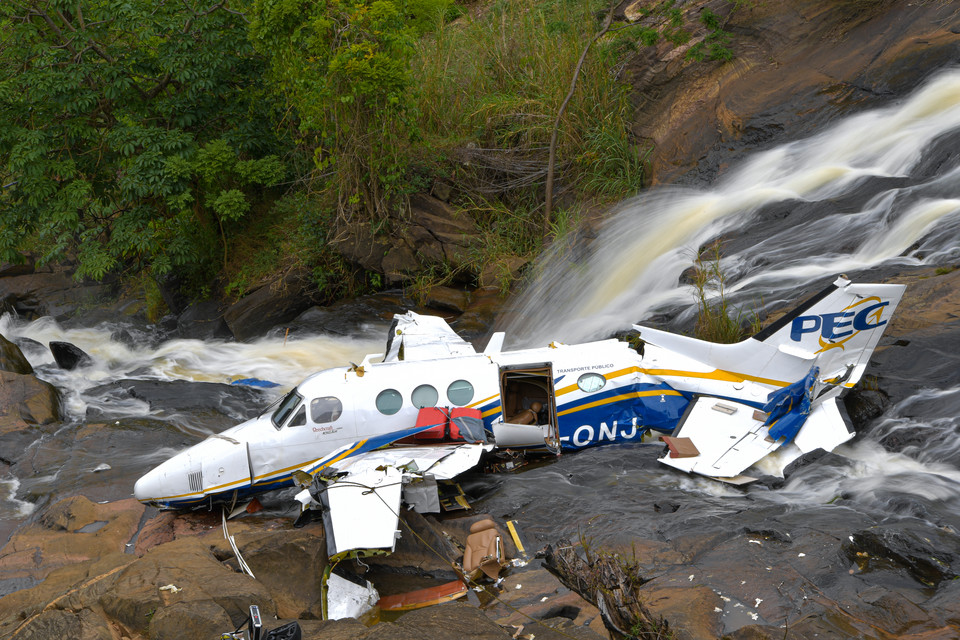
[48,294]
[28,408]
[270,305]
[12,359]
[290,564]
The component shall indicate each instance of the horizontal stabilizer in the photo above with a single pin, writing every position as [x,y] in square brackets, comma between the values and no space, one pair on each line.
[730,437]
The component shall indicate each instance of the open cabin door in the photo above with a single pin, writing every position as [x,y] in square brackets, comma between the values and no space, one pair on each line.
[529,408]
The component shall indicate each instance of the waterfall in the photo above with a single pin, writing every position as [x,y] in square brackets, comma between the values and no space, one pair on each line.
[877,188]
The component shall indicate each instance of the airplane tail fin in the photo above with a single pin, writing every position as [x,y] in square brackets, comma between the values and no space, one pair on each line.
[836,330]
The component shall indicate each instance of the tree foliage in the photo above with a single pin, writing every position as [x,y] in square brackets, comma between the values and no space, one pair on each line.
[135,131]
[344,67]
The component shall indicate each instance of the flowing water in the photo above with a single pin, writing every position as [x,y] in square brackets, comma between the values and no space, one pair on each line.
[877,189]
[876,193]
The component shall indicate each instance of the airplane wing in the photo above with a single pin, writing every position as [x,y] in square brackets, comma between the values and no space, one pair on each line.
[416,337]
[361,499]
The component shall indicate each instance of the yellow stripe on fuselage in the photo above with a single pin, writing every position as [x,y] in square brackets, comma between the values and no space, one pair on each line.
[625,396]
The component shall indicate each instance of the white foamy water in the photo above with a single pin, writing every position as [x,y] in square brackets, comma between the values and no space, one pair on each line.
[10,507]
[633,267]
[284,362]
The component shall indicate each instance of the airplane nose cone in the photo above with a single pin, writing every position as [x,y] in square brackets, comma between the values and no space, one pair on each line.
[147,489]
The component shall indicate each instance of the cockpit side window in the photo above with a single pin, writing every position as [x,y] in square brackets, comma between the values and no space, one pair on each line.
[286,407]
[300,418]
[325,409]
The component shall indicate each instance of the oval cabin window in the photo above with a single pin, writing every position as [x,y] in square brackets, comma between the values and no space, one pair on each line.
[460,393]
[424,396]
[389,402]
[590,382]
[326,409]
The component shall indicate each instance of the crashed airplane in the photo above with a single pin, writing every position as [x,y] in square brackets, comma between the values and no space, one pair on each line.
[440,405]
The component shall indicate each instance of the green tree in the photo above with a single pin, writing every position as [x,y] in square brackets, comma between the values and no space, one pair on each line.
[344,67]
[135,132]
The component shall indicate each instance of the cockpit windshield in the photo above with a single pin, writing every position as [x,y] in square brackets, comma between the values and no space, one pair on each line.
[283,411]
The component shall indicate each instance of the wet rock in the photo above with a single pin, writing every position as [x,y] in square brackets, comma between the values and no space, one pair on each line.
[699,117]
[236,402]
[270,305]
[48,294]
[692,611]
[69,356]
[422,548]
[503,272]
[448,299]
[864,405]
[451,621]
[203,321]
[12,359]
[927,554]
[532,592]
[289,564]
[350,317]
[816,457]
[29,408]
[478,320]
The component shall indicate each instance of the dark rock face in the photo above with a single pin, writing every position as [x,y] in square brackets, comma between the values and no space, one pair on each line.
[350,317]
[269,306]
[203,321]
[47,294]
[795,68]
[432,234]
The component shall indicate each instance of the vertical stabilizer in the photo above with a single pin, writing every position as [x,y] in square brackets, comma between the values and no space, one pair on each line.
[836,330]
